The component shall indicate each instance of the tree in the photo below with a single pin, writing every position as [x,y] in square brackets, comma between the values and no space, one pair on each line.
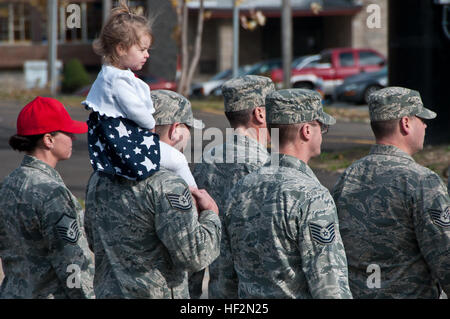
[188,67]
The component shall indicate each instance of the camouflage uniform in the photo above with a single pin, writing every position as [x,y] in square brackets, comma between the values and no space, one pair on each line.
[394,214]
[146,235]
[224,165]
[280,227]
[42,239]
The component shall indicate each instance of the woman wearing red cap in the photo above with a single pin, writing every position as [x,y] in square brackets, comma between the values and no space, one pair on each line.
[43,246]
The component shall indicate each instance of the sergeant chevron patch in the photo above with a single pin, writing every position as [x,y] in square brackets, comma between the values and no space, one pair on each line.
[322,234]
[441,218]
[183,201]
[67,228]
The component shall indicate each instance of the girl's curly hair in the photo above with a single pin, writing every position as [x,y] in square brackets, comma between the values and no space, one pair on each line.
[123,28]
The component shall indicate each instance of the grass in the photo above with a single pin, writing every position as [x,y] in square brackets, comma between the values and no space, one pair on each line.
[25,96]
[434,157]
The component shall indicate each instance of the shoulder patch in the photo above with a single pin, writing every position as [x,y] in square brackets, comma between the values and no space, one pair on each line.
[322,234]
[441,218]
[183,201]
[67,228]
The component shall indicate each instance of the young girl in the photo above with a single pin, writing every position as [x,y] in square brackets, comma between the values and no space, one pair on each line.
[120,138]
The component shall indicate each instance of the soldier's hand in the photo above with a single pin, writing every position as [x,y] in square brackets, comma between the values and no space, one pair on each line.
[203,200]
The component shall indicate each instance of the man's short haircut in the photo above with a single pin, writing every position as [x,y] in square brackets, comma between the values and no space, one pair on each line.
[286,132]
[161,130]
[383,129]
[239,118]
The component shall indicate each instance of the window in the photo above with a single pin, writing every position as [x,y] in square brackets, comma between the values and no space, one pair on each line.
[346,59]
[369,58]
[14,22]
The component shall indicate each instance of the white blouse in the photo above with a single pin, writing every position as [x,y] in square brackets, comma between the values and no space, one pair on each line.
[119,93]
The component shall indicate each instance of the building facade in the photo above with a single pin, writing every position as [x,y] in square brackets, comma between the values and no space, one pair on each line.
[317,25]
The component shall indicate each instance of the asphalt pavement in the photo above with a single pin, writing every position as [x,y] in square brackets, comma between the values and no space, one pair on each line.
[76,171]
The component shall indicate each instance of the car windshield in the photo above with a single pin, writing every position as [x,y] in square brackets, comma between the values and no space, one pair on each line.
[221,75]
[305,61]
[263,67]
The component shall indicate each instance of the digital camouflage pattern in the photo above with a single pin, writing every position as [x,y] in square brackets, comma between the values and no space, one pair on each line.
[281,232]
[394,213]
[42,236]
[294,106]
[222,167]
[147,235]
[246,92]
[171,107]
[395,102]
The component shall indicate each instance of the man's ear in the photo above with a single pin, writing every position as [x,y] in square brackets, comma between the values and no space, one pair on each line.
[305,131]
[405,125]
[172,130]
[260,115]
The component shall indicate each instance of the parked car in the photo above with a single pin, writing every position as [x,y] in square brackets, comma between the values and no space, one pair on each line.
[357,88]
[264,68]
[333,66]
[159,83]
[153,82]
[213,85]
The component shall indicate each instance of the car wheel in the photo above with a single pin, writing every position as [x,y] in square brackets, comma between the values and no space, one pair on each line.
[369,90]
[303,85]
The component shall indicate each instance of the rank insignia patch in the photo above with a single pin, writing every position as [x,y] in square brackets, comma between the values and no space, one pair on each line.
[183,201]
[441,218]
[67,228]
[322,234]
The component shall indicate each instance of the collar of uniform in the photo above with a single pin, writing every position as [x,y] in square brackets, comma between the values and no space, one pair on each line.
[295,163]
[33,162]
[390,150]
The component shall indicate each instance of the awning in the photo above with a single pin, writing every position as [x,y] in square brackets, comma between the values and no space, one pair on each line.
[272,8]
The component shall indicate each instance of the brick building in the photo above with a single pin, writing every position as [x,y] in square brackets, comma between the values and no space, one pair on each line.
[338,23]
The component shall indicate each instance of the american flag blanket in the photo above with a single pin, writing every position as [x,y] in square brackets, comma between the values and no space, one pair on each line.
[118,146]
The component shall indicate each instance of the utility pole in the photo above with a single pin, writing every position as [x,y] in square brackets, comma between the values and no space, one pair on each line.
[235,38]
[52,21]
[107,6]
[286,41]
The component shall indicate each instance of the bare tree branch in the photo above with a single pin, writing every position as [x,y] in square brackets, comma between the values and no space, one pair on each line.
[197,48]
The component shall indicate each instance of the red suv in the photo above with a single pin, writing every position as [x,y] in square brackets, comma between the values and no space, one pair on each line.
[332,66]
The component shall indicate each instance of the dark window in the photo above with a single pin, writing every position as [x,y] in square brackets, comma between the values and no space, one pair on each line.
[346,59]
[369,58]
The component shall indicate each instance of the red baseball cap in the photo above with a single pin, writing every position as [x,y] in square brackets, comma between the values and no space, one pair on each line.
[45,115]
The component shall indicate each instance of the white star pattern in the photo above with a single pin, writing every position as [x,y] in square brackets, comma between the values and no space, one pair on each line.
[137,150]
[100,146]
[148,141]
[111,136]
[148,164]
[95,154]
[122,130]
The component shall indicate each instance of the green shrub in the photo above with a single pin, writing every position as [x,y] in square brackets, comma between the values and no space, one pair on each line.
[74,76]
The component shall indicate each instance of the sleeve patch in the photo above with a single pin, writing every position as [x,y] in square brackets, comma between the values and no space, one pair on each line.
[67,228]
[322,234]
[441,218]
[182,202]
